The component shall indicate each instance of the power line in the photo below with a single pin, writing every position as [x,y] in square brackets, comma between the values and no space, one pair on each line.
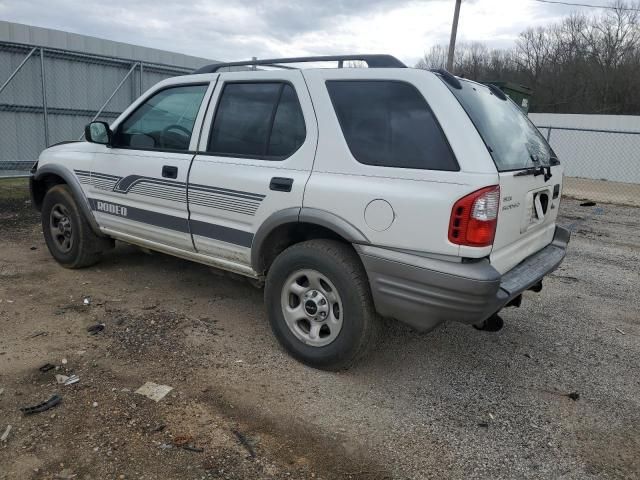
[610,7]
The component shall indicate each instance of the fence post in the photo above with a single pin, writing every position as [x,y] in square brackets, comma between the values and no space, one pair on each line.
[141,75]
[15,72]
[548,134]
[113,94]
[43,76]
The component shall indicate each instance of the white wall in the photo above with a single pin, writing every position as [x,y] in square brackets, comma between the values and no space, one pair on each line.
[597,155]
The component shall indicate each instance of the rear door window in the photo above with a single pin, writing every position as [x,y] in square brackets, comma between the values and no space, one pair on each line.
[257,120]
[390,124]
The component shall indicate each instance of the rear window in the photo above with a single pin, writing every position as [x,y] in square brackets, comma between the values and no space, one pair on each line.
[513,141]
[390,124]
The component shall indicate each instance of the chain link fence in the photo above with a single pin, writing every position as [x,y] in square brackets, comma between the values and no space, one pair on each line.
[599,165]
[48,95]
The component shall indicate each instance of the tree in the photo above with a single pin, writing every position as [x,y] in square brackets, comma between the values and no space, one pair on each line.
[583,64]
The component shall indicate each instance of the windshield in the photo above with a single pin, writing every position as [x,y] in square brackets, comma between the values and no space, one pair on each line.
[513,141]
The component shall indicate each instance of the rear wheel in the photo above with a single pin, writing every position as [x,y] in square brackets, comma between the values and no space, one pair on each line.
[67,233]
[319,304]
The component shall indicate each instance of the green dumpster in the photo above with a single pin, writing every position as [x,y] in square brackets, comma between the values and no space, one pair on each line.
[518,93]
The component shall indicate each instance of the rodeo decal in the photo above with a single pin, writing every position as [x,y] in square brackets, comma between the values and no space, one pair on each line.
[111,208]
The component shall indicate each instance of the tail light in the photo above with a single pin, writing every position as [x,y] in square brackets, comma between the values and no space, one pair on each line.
[474,218]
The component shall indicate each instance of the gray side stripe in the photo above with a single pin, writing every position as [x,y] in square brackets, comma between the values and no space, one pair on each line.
[144,216]
[209,230]
[244,203]
[226,191]
[125,184]
[86,173]
[219,232]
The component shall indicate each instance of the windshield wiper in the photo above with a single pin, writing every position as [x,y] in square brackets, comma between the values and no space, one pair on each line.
[536,171]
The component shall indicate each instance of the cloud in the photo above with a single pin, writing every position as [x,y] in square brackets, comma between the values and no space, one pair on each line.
[240,29]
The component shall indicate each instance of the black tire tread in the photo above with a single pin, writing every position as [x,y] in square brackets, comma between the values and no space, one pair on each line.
[90,245]
[343,254]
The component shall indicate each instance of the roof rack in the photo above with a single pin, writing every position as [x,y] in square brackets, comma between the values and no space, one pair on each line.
[448,77]
[372,61]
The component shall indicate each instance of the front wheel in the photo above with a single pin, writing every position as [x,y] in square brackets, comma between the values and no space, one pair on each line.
[319,304]
[67,233]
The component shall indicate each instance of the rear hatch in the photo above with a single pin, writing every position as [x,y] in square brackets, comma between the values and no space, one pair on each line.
[529,172]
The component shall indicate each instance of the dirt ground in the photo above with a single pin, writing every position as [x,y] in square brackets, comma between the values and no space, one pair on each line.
[454,403]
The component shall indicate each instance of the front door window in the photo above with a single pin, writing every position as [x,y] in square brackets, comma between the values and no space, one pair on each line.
[163,122]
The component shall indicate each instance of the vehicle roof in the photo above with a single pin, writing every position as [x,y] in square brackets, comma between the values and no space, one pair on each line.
[372,61]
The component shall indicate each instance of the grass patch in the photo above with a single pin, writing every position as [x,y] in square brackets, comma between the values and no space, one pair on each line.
[14,188]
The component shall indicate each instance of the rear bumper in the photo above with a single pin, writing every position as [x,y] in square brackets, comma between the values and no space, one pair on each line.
[424,292]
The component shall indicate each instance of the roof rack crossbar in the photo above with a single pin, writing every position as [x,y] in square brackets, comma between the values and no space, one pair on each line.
[372,61]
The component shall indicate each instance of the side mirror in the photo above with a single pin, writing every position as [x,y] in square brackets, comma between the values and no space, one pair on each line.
[98,132]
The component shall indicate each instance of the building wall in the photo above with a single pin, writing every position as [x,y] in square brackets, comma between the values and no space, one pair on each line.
[46,37]
[606,154]
[81,73]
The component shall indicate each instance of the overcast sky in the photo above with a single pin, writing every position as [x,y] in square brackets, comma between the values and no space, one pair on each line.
[240,29]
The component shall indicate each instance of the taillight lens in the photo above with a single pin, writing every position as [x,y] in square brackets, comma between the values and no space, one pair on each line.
[474,218]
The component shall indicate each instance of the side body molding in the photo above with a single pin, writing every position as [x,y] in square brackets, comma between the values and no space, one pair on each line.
[295,215]
[76,189]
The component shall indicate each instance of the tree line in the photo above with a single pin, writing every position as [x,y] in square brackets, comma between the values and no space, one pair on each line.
[583,64]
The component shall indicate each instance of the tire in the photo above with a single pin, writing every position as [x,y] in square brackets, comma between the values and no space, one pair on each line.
[73,245]
[348,320]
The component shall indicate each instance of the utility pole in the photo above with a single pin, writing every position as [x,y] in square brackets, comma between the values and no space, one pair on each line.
[454,32]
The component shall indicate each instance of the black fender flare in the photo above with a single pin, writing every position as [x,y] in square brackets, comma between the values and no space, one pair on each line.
[313,216]
[76,189]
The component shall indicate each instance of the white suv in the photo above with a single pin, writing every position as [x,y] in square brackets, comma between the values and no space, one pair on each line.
[351,193]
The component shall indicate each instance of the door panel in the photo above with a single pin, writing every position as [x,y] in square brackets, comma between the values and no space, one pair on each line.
[138,186]
[133,197]
[230,195]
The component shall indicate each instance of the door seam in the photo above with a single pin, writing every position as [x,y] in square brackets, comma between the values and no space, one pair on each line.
[193,242]
[315,151]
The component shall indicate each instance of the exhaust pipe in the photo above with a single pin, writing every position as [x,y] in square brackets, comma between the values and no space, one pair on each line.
[537,287]
[495,323]
[492,324]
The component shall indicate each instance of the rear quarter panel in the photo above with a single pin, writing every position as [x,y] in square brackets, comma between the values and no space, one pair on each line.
[421,199]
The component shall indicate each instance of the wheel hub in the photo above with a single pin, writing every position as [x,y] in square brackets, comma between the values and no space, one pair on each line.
[312,307]
[64,226]
[316,305]
[61,228]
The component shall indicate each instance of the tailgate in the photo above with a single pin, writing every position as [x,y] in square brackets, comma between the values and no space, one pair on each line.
[527,216]
[528,201]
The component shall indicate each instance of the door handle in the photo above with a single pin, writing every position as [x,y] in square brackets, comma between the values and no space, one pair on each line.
[280,184]
[169,171]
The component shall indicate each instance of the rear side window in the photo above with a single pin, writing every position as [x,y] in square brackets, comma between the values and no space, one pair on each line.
[390,124]
[257,120]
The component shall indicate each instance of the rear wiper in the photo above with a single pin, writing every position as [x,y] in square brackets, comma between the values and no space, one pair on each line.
[553,161]
[535,171]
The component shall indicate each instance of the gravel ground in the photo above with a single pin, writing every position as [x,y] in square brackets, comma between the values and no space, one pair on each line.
[454,403]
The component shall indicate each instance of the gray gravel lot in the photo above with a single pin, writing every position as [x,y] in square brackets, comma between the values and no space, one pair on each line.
[454,403]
